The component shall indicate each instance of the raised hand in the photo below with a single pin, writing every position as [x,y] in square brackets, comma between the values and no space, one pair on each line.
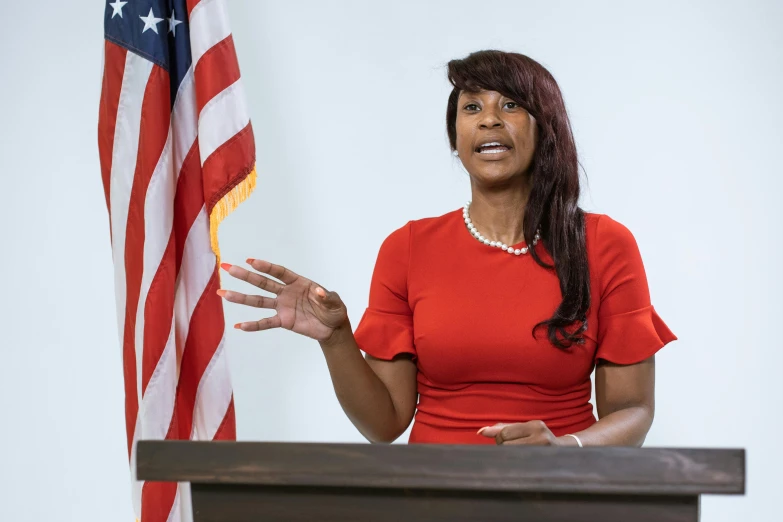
[302,306]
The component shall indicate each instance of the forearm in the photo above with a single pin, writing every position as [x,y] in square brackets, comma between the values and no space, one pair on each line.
[624,427]
[362,395]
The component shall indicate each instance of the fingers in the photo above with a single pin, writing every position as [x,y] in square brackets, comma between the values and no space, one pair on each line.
[492,431]
[264,283]
[257,301]
[263,324]
[532,432]
[276,271]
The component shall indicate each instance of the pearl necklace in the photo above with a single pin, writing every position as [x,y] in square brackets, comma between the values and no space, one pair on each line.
[504,247]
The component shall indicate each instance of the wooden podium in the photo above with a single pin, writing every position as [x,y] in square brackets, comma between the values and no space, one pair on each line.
[246,481]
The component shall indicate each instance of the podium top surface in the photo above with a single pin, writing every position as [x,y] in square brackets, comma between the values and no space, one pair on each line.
[606,470]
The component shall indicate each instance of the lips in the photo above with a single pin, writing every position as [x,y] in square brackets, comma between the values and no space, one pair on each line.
[492,147]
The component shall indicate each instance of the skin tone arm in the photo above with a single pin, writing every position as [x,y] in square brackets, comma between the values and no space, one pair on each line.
[379,397]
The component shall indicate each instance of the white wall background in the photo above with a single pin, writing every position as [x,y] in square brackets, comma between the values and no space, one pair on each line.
[677,113]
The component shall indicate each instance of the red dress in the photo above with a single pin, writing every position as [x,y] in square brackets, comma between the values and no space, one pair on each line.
[466,311]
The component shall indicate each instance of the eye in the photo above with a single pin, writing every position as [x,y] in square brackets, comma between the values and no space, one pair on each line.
[513,105]
[471,107]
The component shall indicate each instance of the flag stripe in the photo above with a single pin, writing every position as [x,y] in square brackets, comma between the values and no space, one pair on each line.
[208,26]
[158,210]
[155,121]
[113,72]
[185,124]
[126,142]
[228,428]
[238,154]
[222,119]
[198,263]
[205,333]
[157,499]
[213,397]
[217,70]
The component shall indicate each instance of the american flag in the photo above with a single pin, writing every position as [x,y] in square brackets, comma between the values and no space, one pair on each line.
[177,155]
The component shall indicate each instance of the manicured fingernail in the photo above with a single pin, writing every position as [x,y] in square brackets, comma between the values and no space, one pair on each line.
[225,266]
[320,291]
[238,326]
[481,430]
[221,293]
[250,260]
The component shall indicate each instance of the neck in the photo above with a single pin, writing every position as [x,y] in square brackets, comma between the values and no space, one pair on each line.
[500,215]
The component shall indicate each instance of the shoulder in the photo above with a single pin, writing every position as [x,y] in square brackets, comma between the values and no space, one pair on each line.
[422,229]
[612,252]
[605,234]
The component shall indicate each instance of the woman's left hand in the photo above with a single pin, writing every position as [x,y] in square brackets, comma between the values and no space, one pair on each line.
[530,433]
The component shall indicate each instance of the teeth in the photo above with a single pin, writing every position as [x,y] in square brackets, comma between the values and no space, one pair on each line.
[491,144]
[494,151]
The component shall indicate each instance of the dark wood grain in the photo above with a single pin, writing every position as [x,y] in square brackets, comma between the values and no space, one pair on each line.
[609,470]
[234,503]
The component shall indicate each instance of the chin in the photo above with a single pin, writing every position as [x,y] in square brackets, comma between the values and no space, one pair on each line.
[494,176]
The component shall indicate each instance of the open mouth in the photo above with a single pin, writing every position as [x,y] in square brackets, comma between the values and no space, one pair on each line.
[494,147]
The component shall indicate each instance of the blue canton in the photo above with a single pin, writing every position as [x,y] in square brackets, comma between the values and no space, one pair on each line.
[157,30]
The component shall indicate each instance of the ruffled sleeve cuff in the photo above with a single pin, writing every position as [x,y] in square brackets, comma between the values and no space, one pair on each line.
[385,335]
[632,337]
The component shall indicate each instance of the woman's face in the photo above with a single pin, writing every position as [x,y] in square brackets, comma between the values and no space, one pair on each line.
[488,117]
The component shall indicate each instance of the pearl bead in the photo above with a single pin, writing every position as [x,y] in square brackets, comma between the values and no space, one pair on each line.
[497,244]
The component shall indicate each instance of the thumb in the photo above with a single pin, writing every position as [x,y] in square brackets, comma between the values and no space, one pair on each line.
[491,431]
[329,299]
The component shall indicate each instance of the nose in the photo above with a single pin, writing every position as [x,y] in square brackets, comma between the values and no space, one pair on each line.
[490,119]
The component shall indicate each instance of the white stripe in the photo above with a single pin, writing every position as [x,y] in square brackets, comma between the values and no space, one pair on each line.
[213,396]
[157,406]
[185,120]
[175,513]
[123,168]
[208,26]
[222,118]
[185,502]
[198,264]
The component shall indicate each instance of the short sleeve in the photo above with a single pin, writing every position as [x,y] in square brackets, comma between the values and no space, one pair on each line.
[386,328]
[629,329]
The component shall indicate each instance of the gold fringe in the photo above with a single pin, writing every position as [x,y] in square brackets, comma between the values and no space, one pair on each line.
[227,205]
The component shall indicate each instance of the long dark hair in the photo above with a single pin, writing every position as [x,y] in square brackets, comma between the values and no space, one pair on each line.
[553,204]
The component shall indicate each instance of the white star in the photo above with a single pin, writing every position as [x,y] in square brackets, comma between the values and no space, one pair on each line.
[173,23]
[150,22]
[117,6]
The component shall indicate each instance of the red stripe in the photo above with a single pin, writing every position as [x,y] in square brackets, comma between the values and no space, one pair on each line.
[113,72]
[228,428]
[158,313]
[157,499]
[215,71]
[188,201]
[204,336]
[191,5]
[228,166]
[155,118]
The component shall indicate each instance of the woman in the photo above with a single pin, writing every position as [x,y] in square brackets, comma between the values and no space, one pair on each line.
[497,341]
